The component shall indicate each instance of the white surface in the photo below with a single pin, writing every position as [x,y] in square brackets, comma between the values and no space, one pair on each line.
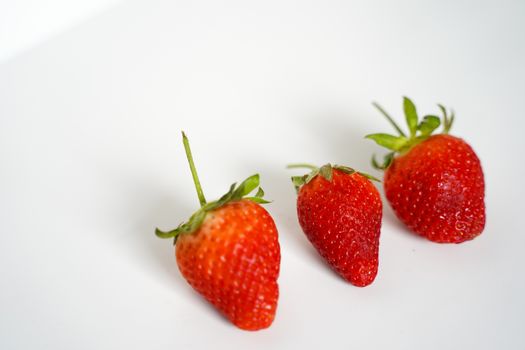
[91,161]
[26,23]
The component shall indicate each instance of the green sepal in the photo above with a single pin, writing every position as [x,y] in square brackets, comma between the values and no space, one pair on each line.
[418,132]
[326,171]
[428,125]
[258,200]
[235,193]
[345,169]
[166,234]
[298,181]
[350,171]
[450,122]
[387,160]
[447,121]
[369,177]
[389,118]
[410,115]
[247,186]
[310,176]
[394,143]
[260,193]
[225,197]
[194,222]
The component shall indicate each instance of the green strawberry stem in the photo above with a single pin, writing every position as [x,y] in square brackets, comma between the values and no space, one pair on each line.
[200,194]
[235,193]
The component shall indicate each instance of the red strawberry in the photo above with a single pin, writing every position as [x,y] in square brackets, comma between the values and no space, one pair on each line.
[434,183]
[228,251]
[340,211]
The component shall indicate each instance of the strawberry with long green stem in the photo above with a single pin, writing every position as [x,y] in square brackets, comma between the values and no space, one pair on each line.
[229,252]
[434,182]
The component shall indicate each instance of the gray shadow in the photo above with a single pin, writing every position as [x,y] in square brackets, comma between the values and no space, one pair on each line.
[150,205]
[275,179]
[166,213]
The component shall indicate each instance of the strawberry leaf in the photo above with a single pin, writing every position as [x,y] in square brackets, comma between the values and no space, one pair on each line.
[298,181]
[235,193]
[326,172]
[247,186]
[196,220]
[345,169]
[410,115]
[447,121]
[451,121]
[225,198]
[394,143]
[419,131]
[428,125]
[387,160]
[166,234]
[260,193]
[369,177]
[258,200]
[389,118]
[310,176]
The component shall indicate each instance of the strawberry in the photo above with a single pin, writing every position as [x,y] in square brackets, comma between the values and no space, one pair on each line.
[229,252]
[434,183]
[339,211]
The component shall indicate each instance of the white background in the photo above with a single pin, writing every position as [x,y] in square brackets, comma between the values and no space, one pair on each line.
[26,23]
[91,161]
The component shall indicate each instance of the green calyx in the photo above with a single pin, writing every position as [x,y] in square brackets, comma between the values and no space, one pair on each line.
[325,171]
[418,131]
[235,193]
